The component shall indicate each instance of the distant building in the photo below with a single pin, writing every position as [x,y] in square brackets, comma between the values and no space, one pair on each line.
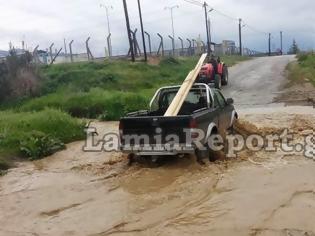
[228,47]
[218,49]
[4,54]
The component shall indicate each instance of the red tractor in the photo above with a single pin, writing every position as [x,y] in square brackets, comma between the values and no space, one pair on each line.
[207,74]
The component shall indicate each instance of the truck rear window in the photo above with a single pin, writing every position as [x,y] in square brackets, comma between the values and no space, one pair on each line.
[196,99]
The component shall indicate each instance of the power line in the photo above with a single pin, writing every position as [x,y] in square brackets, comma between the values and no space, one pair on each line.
[195,2]
[254,29]
[225,15]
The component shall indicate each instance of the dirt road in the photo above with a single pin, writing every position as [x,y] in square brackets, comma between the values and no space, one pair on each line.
[257,82]
[96,194]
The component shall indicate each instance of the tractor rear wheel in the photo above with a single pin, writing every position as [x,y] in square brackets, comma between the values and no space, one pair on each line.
[225,76]
[217,82]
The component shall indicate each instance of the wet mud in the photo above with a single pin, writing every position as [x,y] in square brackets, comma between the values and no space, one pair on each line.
[78,193]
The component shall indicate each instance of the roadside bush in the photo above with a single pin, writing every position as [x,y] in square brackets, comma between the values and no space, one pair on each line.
[36,145]
[302,57]
[37,134]
[304,70]
[18,77]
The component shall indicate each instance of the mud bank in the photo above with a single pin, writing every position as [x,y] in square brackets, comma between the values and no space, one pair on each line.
[297,95]
[78,193]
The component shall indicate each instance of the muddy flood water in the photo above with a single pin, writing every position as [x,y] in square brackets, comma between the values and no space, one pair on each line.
[98,194]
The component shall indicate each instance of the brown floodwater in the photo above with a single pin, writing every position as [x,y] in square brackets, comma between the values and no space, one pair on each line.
[78,193]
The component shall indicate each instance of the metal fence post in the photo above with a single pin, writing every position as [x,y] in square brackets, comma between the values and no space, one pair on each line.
[149,39]
[70,48]
[50,51]
[173,44]
[89,53]
[194,46]
[35,55]
[182,45]
[161,47]
[189,48]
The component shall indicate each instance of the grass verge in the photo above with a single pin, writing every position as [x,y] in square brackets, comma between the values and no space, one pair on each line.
[35,134]
[303,70]
[108,90]
[97,103]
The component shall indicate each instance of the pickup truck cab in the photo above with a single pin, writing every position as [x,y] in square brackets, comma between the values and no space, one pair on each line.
[205,112]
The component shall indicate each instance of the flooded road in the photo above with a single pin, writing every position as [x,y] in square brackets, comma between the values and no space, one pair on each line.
[77,193]
[98,194]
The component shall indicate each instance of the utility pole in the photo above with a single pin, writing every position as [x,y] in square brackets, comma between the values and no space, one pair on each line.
[281,43]
[142,31]
[269,44]
[209,24]
[108,27]
[173,31]
[240,36]
[207,29]
[128,30]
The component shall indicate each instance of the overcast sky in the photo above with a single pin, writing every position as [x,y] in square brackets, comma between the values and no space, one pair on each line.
[43,22]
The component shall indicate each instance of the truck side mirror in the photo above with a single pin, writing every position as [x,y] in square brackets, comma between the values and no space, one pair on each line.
[230,101]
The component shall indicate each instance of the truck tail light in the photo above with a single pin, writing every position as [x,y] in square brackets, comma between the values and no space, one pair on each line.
[193,126]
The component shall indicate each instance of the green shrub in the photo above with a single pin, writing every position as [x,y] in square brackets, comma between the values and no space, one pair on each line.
[302,57]
[304,70]
[19,130]
[36,145]
[18,77]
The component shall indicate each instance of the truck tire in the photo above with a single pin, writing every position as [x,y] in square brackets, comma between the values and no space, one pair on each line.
[225,76]
[231,130]
[213,155]
[208,153]
[200,156]
[217,82]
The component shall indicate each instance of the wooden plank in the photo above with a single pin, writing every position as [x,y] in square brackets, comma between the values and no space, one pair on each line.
[182,93]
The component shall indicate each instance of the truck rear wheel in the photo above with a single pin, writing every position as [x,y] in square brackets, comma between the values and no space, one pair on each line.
[208,153]
[213,155]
